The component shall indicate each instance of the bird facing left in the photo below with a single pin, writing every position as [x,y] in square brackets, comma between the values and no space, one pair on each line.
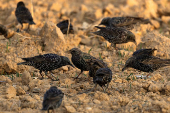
[46,62]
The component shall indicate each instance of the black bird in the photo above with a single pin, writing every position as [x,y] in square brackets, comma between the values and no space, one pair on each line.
[64,27]
[125,22]
[95,65]
[116,35]
[4,31]
[52,99]
[81,60]
[103,77]
[146,63]
[23,14]
[149,52]
[46,62]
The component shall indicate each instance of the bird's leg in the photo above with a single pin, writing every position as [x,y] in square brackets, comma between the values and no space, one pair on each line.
[53,111]
[94,88]
[28,27]
[106,87]
[41,74]
[56,79]
[148,75]
[78,75]
[18,30]
[48,111]
[48,76]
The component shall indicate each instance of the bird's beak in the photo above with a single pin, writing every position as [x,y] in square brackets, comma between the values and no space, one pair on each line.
[124,69]
[72,65]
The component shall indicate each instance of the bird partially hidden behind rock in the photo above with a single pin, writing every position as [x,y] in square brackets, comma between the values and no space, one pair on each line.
[116,35]
[64,27]
[4,31]
[52,99]
[146,63]
[46,62]
[127,22]
[81,60]
[23,15]
[103,77]
[149,52]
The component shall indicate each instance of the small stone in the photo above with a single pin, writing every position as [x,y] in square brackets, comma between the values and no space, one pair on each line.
[82,96]
[36,90]
[155,87]
[96,101]
[165,19]
[56,6]
[88,108]
[65,68]
[155,23]
[118,80]
[26,78]
[70,109]
[98,13]
[101,96]
[11,92]
[20,91]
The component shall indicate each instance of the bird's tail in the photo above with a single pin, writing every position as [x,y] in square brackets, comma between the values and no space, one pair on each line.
[22,63]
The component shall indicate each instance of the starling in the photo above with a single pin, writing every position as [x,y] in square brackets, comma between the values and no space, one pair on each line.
[116,35]
[81,60]
[125,22]
[64,27]
[149,52]
[103,76]
[146,63]
[23,14]
[46,62]
[4,31]
[52,99]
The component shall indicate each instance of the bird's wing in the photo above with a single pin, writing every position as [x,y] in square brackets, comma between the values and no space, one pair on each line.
[24,13]
[144,51]
[45,57]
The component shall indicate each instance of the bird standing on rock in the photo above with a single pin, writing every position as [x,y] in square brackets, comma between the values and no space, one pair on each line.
[23,14]
[116,35]
[103,76]
[64,27]
[81,60]
[146,63]
[125,22]
[46,62]
[52,99]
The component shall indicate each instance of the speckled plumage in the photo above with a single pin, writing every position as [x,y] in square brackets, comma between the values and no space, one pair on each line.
[3,30]
[125,22]
[149,52]
[146,63]
[52,98]
[46,62]
[116,35]
[23,14]
[103,76]
[64,27]
[95,65]
[81,60]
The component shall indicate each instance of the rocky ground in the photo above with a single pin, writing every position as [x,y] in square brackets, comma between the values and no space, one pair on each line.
[21,87]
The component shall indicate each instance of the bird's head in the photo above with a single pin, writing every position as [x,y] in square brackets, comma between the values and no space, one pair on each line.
[66,61]
[128,63]
[74,51]
[131,37]
[21,3]
[105,21]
